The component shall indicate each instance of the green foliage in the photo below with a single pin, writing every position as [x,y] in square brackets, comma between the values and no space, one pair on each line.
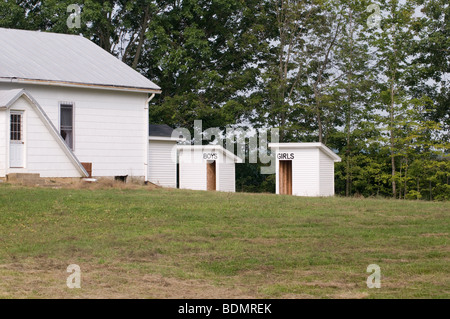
[249,179]
[201,53]
[312,68]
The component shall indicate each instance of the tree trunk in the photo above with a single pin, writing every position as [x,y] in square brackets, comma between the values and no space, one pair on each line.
[392,141]
[406,179]
[317,90]
[349,108]
[400,184]
[347,182]
[318,115]
[431,191]
[144,26]
[418,188]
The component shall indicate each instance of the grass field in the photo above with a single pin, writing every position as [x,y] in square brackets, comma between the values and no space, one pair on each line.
[141,243]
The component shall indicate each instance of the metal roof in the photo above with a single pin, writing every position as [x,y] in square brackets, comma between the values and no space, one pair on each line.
[320,146]
[162,130]
[7,97]
[65,60]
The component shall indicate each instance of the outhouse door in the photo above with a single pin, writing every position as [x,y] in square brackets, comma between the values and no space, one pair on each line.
[211,175]
[285,177]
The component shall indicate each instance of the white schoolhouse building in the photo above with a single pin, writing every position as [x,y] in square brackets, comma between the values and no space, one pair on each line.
[68,108]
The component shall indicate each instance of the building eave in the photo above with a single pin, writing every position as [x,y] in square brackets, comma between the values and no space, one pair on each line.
[166,139]
[320,146]
[227,153]
[81,85]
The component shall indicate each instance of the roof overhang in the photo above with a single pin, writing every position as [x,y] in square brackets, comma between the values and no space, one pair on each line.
[320,146]
[81,85]
[211,148]
[166,139]
[8,97]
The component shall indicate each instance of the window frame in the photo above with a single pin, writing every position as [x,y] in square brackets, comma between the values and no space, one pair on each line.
[61,104]
[13,132]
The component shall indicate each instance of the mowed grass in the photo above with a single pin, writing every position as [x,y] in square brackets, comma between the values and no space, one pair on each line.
[141,243]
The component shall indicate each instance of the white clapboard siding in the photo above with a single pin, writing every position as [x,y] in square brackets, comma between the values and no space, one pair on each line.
[305,172]
[192,173]
[326,175]
[110,127]
[162,163]
[3,141]
[312,168]
[193,168]
[48,160]
[226,179]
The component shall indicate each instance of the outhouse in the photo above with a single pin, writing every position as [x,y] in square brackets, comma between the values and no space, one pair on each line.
[162,156]
[207,167]
[304,169]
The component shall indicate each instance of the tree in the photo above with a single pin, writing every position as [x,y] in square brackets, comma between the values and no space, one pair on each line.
[298,68]
[353,88]
[431,62]
[204,54]
[284,65]
[392,43]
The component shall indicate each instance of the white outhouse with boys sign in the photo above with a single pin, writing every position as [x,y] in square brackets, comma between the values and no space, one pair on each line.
[207,167]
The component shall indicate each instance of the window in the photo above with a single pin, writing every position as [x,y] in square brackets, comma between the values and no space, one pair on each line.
[16,127]
[66,122]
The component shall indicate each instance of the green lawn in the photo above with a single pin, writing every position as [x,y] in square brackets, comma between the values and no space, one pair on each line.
[142,243]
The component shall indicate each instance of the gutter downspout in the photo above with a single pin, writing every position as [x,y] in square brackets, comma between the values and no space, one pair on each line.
[147,127]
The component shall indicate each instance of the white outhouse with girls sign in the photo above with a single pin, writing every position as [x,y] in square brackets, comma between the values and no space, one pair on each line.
[207,167]
[304,169]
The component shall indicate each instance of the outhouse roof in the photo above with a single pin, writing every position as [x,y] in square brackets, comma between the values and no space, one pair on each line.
[320,146]
[212,148]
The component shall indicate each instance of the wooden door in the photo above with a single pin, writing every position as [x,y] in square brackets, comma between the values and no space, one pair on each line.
[211,176]
[285,178]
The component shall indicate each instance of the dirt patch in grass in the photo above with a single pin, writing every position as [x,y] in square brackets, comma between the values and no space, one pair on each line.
[106,183]
[351,295]
[339,285]
[436,235]
[46,278]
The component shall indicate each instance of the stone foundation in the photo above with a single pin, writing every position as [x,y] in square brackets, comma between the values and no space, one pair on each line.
[37,180]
